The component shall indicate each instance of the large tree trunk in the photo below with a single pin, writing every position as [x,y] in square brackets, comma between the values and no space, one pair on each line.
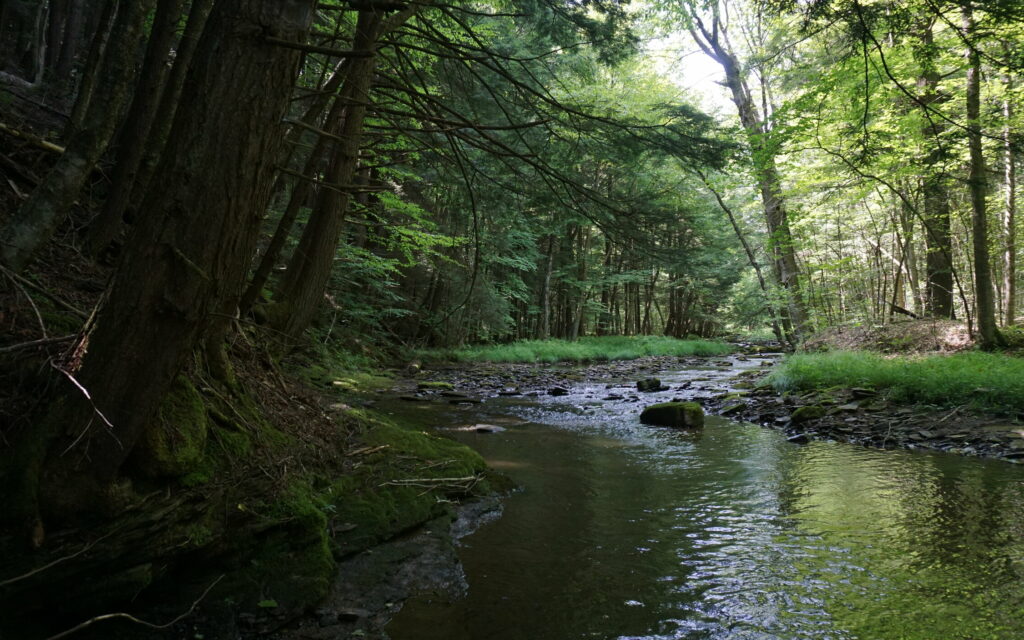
[37,219]
[302,188]
[544,321]
[781,244]
[935,192]
[309,269]
[988,335]
[91,70]
[132,140]
[189,254]
[198,14]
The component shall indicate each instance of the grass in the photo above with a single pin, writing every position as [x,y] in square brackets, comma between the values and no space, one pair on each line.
[590,349]
[981,380]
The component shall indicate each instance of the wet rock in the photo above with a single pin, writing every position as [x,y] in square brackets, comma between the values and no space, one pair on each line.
[859,393]
[808,413]
[799,438]
[733,408]
[453,394]
[649,385]
[558,391]
[488,428]
[612,396]
[681,415]
[510,392]
[413,398]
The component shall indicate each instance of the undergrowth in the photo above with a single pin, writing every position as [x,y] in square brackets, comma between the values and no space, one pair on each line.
[981,380]
[588,349]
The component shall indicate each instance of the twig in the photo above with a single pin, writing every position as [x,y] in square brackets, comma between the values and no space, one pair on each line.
[74,555]
[36,343]
[31,302]
[31,285]
[128,616]
[85,392]
[367,450]
[950,414]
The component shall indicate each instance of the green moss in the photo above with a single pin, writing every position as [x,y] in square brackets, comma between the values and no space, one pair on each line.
[810,412]
[439,385]
[684,415]
[173,444]
[399,486]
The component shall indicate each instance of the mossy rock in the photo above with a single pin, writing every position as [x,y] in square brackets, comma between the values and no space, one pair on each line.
[808,413]
[173,444]
[437,385]
[680,415]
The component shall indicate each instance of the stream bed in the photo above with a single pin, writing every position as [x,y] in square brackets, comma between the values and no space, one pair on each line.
[624,531]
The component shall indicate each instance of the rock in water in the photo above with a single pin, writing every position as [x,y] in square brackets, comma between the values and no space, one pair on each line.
[558,391]
[681,415]
[650,384]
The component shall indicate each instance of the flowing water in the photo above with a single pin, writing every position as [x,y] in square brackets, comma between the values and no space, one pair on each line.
[627,531]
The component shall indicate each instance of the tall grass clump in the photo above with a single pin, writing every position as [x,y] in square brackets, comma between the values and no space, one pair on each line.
[590,349]
[988,381]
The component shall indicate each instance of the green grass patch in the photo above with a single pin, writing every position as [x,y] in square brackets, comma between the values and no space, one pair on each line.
[590,349]
[988,381]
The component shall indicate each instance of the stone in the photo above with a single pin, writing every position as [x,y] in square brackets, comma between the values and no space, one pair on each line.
[733,408]
[558,391]
[799,438]
[808,413]
[680,415]
[649,385]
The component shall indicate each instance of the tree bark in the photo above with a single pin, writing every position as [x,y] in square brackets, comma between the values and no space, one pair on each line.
[938,265]
[1009,209]
[988,335]
[37,218]
[309,269]
[91,72]
[198,14]
[135,131]
[190,253]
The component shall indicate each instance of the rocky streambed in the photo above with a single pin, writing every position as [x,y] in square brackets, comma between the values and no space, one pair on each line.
[733,387]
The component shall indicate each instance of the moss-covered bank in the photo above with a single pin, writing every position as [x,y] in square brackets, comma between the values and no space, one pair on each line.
[262,494]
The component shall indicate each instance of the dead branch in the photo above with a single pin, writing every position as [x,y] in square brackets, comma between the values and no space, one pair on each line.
[31,285]
[33,139]
[131,618]
[49,565]
[36,343]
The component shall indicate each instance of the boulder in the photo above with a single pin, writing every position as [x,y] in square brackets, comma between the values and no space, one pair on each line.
[681,415]
[650,384]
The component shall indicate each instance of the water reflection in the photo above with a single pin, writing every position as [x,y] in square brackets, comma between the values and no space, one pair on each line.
[624,531]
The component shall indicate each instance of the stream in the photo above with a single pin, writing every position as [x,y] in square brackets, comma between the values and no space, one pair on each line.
[624,531]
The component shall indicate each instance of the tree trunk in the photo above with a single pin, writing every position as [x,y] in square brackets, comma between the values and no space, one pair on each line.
[72,38]
[91,71]
[1010,209]
[37,218]
[544,321]
[988,335]
[190,253]
[299,194]
[132,140]
[309,269]
[769,183]
[938,265]
[169,101]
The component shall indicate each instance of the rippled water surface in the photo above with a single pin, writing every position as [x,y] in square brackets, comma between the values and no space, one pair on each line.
[626,531]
